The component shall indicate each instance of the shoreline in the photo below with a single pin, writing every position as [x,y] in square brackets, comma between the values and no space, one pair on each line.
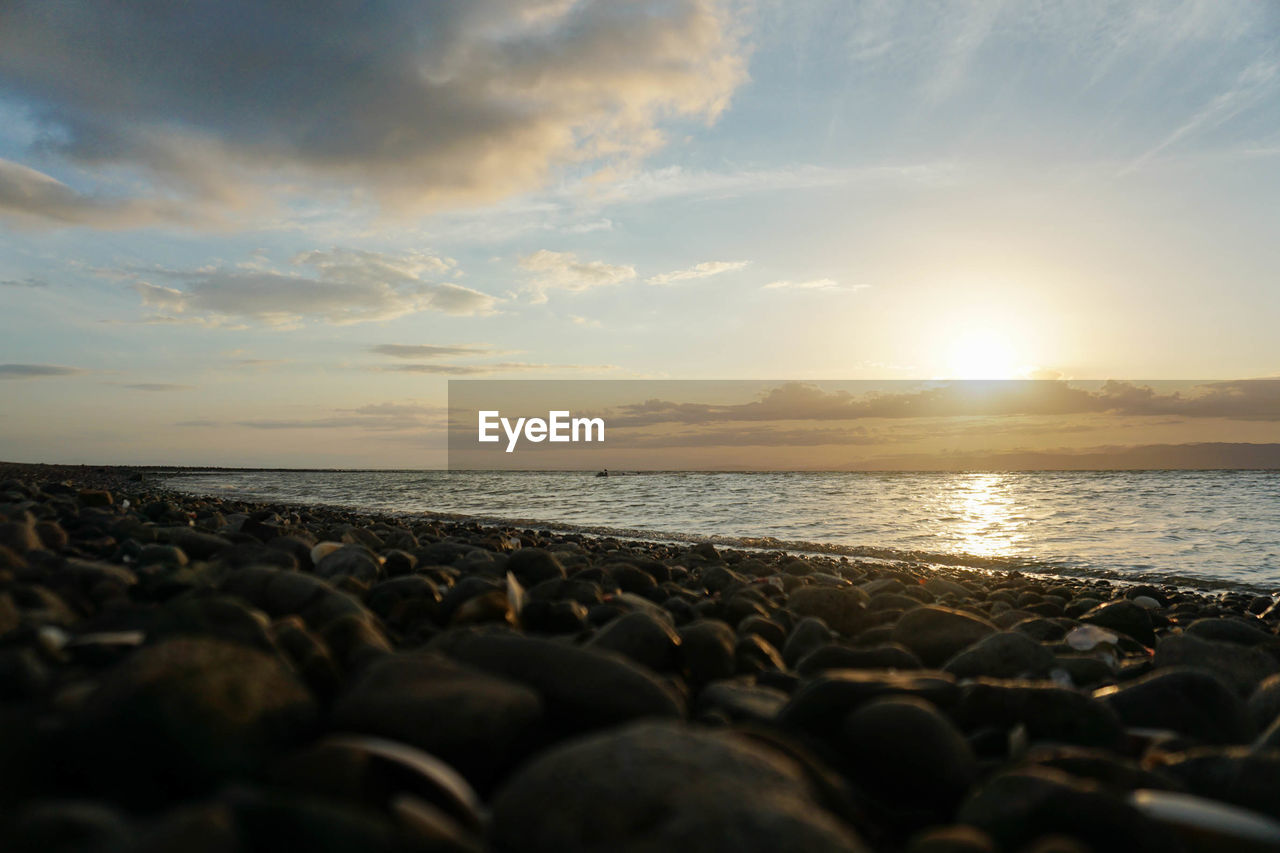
[826,703]
[936,561]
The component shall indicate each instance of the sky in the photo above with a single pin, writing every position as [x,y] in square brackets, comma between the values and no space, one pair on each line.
[235,233]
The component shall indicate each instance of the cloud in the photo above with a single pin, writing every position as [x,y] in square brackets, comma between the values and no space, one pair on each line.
[33,198]
[428,350]
[36,371]
[817,284]
[481,369]
[1250,400]
[25,283]
[342,287]
[416,105]
[372,417]
[706,269]
[563,271]
[1253,85]
[578,320]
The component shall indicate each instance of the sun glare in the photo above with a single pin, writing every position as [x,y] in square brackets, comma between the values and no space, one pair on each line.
[983,354]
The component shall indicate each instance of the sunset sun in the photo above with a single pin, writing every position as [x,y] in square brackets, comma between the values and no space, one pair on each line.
[982,354]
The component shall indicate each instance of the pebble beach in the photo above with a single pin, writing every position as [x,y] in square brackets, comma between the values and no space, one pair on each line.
[206,674]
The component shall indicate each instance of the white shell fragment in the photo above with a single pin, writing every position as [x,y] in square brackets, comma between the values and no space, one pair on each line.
[1087,637]
[1230,826]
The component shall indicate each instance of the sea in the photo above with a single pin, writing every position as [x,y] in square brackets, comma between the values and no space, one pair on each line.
[1207,529]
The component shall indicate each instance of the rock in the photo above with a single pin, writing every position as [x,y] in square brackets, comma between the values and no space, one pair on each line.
[683,789]
[707,652]
[67,826]
[937,633]
[1264,703]
[176,718]
[1192,702]
[554,617]
[901,749]
[753,654]
[1108,769]
[1249,633]
[956,838]
[473,721]
[95,498]
[1016,808]
[355,561]
[20,536]
[1047,711]
[880,656]
[741,701]
[1242,667]
[1204,824]
[939,587]
[1235,775]
[1007,654]
[381,774]
[1124,616]
[534,565]
[583,688]
[808,634]
[642,636]
[819,707]
[841,608]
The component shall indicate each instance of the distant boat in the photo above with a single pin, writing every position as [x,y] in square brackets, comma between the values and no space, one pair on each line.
[603,472]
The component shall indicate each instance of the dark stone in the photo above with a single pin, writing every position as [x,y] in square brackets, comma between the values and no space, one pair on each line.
[1124,616]
[841,608]
[215,616]
[196,544]
[1017,808]
[1242,667]
[769,629]
[355,561]
[179,717]
[682,789]
[474,721]
[68,826]
[808,634]
[956,838]
[1109,770]
[881,656]
[95,498]
[741,701]
[534,565]
[819,706]
[1047,711]
[1247,779]
[1042,630]
[554,617]
[645,638]
[936,634]
[901,749]
[1251,633]
[1007,654]
[583,688]
[707,652]
[754,654]
[1192,702]
[1264,703]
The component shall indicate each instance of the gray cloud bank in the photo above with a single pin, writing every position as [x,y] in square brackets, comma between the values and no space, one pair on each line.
[36,371]
[337,286]
[1254,399]
[418,105]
